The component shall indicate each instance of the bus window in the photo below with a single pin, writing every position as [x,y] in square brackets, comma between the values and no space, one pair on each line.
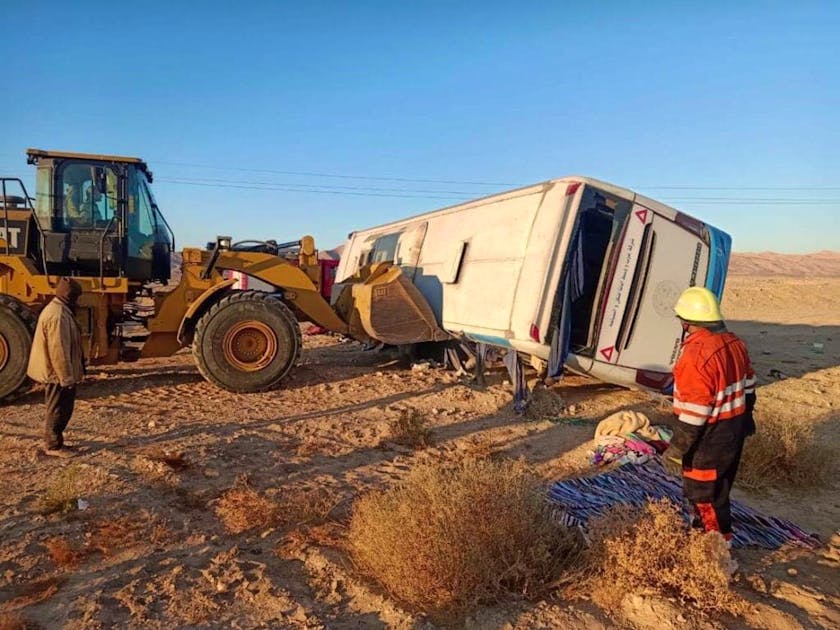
[385,248]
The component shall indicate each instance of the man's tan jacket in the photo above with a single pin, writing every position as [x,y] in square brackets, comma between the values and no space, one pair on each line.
[56,355]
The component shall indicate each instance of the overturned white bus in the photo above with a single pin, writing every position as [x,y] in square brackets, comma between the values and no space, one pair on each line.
[572,271]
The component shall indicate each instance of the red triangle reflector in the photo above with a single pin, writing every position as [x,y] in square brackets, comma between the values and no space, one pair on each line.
[608,352]
[642,214]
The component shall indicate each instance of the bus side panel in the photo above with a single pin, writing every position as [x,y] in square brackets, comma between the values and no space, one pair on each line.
[545,257]
[491,241]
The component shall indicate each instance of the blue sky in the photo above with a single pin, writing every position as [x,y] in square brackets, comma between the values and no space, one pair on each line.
[701,105]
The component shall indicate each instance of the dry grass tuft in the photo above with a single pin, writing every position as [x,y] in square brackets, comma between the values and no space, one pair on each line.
[116,535]
[304,506]
[453,535]
[109,537]
[62,492]
[62,553]
[411,429]
[784,453]
[13,621]
[545,404]
[112,536]
[651,550]
[161,534]
[242,509]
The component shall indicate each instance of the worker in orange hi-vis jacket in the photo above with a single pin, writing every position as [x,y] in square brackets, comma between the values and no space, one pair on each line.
[714,396]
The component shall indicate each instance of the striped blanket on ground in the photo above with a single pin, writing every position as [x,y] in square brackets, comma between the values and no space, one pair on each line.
[583,498]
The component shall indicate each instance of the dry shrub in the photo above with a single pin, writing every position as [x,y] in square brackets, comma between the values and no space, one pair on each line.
[117,534]
[453,535]
[13,621]
[110,536]
[545,404]
[161,534]
[651,550]
[479,447]
[411,429]
[62,553]
[301,506]
[242,509]
[784,453]
[61,492]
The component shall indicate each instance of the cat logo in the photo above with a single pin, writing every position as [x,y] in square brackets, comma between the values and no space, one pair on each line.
[12,237]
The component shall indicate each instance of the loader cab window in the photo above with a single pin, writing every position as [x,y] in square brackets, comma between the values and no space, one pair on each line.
[141,223]
[43,198]
[88,196]
[148,240]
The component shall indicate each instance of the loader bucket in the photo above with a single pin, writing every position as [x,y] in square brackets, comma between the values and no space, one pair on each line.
[383,304]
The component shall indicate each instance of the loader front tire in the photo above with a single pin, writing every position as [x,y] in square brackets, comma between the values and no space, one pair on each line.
[247,342]
[17,328]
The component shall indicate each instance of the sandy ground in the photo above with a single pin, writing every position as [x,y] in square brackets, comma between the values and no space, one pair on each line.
[158,556]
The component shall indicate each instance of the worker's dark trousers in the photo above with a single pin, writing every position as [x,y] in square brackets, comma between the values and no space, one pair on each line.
[59,401]
[709,470]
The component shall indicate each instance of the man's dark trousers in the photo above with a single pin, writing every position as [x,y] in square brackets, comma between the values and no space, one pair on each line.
[59,401]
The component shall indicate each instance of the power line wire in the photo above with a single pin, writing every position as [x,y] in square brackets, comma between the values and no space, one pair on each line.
[334,175]
[451,195]
[755,199]
[436,194]
[829,202]
[311,190]
[330,186]
[791,188]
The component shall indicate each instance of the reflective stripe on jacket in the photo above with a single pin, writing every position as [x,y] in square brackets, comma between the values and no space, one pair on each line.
[712,378]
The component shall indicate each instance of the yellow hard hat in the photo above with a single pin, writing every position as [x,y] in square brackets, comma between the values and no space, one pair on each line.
[698,304]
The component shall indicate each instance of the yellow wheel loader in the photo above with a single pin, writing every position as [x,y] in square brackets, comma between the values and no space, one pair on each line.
[94,218]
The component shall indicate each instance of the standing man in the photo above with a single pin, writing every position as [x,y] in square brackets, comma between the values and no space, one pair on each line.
[56,360]
[714,396]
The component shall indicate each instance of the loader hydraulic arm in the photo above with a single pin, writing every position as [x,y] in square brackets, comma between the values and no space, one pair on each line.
[203,284]
[298,288]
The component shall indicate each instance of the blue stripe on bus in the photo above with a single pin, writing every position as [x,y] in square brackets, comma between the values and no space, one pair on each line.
[489,340]
[720,246]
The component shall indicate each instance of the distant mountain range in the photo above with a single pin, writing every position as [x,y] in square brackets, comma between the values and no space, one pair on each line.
[823,264]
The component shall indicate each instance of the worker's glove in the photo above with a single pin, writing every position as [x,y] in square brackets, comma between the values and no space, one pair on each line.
[672,461]
[749,428]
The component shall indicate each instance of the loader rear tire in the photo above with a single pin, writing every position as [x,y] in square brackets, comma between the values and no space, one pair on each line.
[247,342]
[17,328]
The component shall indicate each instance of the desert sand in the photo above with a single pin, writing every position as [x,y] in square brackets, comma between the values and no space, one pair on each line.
[158,446]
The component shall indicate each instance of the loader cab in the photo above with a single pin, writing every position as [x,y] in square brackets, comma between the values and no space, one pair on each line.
[97,217]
